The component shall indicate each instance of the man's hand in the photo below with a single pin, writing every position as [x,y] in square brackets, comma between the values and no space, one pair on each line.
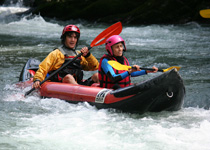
[36,85]
[84,51]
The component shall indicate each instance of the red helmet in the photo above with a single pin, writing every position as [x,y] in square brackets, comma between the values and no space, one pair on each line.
[70,28]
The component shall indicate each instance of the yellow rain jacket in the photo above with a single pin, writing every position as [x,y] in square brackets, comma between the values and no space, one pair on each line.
[56,59]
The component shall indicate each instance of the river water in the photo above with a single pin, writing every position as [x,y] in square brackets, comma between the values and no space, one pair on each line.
[52,124]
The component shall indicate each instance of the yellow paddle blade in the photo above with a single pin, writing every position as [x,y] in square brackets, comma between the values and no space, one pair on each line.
[205,13]
[118,66]
[177,68]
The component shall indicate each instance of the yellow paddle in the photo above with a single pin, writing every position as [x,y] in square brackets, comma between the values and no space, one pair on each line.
[205,13]
[119,66]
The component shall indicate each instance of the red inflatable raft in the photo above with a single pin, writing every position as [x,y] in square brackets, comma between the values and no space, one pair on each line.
[164,92]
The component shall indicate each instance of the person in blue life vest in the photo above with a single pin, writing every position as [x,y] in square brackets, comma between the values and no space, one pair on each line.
[73,73]
[110,77]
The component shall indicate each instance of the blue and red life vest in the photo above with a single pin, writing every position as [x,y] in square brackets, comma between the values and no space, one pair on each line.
[105,80]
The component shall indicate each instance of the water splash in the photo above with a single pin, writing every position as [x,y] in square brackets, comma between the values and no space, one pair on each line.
[10,9]
[31,25]
[15,3]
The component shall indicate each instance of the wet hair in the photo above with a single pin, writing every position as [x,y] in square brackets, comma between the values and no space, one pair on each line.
[63,37]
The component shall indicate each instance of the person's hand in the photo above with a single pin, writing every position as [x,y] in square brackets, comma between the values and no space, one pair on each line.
[134,68]
[84,51]
[36,85]
[156,69]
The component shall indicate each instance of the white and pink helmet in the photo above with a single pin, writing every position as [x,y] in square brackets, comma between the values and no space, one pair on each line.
[114,40]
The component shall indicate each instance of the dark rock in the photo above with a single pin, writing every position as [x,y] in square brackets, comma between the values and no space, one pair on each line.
[2,2]
[126,11]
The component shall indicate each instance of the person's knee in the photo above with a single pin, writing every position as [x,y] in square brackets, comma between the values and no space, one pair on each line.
[69,79]
[95,78]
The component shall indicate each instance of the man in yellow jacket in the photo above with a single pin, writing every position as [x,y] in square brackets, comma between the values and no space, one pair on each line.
[72,73]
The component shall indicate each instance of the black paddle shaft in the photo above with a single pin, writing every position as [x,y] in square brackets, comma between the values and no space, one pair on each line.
[150,69]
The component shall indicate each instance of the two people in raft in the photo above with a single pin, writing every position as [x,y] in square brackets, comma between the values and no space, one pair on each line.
[107,76]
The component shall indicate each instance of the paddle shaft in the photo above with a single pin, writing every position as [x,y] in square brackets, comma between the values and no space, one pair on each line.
[56,71]
[150,69]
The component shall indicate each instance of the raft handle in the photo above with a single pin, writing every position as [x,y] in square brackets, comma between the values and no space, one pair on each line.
[170,94]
